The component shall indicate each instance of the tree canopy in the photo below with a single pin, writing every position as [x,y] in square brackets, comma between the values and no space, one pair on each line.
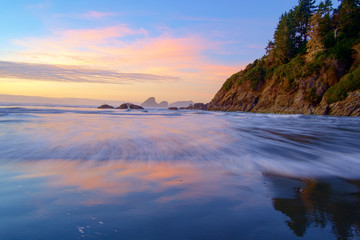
[310,29]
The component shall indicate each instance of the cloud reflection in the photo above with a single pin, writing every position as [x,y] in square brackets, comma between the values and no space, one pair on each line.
[119,178]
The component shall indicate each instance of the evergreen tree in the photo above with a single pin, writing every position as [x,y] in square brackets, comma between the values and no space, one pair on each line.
[270,46]
[348,18]
[302,14]
[326,25]
[284,48]
[325,10]
[290,37]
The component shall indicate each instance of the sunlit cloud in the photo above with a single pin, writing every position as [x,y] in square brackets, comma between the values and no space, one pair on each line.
[18,70]
[121,54]
[127,50]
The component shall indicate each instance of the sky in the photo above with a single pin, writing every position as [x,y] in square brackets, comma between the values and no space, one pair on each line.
[130,50]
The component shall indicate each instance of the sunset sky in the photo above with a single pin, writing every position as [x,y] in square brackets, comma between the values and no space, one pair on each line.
[130,50]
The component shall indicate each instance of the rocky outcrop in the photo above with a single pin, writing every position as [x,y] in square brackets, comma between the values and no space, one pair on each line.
[123,106]
[151,102]
[200,106]
[313,70]
[197,106]
[305,95]
[133,106]
[348,107]
[180,104]
[105,106]
[163,104]
[173,108]
[129,106]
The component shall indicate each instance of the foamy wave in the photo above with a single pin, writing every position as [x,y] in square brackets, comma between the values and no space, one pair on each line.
[286,144]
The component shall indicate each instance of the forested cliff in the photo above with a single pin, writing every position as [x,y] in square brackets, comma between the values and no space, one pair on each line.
[312,65]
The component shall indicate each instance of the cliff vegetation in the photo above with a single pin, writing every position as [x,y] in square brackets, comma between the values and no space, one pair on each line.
[312,65]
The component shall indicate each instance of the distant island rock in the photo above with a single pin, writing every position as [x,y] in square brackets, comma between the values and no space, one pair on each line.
[151,102]
[122,106]
[163,104]
[173,108]
[129,106]
[180,104]
[105,106]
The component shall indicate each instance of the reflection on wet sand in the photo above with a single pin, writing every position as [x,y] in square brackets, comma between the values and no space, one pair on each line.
[118,178]
[307,203]
[312,202]
[72,174]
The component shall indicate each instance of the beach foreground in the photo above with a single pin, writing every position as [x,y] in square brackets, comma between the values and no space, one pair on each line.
[85,173]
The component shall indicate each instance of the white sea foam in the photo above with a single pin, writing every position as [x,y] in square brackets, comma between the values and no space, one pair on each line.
[285,144]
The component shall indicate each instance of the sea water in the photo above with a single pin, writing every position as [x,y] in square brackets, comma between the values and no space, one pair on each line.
[87,173]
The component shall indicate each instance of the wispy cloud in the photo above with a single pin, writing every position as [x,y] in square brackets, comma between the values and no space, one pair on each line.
[123,49]
[79,38]
[45,72]
[97,15]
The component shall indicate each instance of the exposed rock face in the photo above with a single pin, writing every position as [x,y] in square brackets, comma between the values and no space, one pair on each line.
[151,102]
[197,106]
[123,106]
[129,105]
[173,108]
[105,106]
[305,96]
[180,104]
[348,107]
[133,106]
[200,106]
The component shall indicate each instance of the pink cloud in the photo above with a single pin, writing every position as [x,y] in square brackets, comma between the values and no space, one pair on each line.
[79,38]
[105,48]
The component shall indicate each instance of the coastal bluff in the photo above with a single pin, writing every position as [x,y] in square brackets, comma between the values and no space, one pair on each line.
[312,66]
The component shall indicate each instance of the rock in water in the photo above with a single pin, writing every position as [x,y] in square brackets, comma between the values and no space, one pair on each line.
[129,105]
[173,108]
[200,106]
[163,104]
[151,102]
[181,104]
[105,106]
[133,106]
[123,106]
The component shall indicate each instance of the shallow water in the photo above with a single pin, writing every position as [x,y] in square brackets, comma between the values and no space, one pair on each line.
[85,173]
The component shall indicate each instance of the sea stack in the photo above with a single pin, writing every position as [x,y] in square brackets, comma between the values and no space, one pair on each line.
[151,103]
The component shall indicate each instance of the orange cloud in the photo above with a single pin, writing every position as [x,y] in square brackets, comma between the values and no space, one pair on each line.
[105,47]
[123,49]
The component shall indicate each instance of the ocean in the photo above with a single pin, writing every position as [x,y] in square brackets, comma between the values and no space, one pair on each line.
[86,173]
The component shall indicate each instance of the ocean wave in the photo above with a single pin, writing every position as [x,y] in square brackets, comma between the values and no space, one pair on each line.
[291,145]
